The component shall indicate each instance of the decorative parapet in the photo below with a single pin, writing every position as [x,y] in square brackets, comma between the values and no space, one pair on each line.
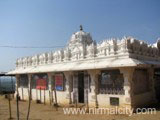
[58,56]
[106,48]
[34,60]
[43,58]
[67,54]
[50,58]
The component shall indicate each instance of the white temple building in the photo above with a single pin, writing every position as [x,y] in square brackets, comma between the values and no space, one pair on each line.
[115,72]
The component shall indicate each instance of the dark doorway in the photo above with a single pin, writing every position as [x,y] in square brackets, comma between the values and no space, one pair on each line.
[81,87]
[157,83]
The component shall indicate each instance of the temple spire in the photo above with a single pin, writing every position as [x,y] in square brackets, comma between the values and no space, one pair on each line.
[81,28]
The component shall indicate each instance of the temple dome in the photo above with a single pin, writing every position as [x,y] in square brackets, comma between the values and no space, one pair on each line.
[80,37]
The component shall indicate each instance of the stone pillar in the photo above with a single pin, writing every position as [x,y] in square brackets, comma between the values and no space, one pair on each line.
[93,101]
[128,83]
[29,80]
[17,83]
[51,86]
[75,87]
[30,85]
[69,85]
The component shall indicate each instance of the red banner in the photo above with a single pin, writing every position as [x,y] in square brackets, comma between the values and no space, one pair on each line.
[59,81]
[41,84]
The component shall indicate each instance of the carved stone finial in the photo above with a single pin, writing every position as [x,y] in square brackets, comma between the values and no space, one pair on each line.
[81,27]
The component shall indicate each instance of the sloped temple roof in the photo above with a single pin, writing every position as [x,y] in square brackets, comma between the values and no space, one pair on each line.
[82,53]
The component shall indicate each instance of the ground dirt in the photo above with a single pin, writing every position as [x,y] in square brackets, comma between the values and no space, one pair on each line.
[47,112]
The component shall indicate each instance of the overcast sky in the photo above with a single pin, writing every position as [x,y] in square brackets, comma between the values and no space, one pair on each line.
[52,22]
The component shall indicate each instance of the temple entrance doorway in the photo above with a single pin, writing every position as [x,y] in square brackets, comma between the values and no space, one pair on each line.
[81,87]
[157,83]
